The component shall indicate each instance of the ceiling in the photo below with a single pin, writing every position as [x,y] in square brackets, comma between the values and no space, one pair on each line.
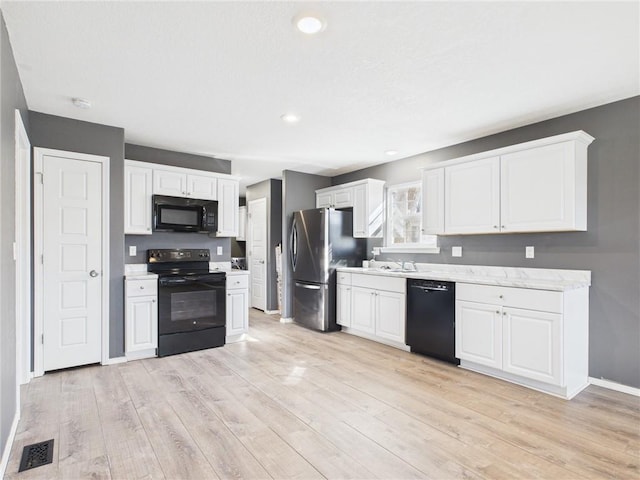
[214,78]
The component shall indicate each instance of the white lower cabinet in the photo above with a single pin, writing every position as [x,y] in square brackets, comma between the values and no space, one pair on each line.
[343,299]
[141,318]
[537,338]
[237,307]
[378,308]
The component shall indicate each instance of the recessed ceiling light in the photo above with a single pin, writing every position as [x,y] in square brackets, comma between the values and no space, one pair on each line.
[391,152]
[290,118]
[309,24]
[81,102]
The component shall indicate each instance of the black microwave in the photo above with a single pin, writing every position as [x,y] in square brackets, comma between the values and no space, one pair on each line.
[177,214]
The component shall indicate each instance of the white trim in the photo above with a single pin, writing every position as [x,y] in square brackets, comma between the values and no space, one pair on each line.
[271,312]
[618,387]
[39,153]
[116,360]
[410,249]
[286,320]
[7,446]
[22,254]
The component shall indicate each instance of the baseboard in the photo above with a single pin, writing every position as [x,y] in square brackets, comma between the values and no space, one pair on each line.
[286,320]
[271,312]
[618,387]
[7,448]
[114,360]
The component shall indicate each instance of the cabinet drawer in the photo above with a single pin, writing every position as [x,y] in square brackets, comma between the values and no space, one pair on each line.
[343,278]
[237,281]
[139,288]
[526,298]
[379,282]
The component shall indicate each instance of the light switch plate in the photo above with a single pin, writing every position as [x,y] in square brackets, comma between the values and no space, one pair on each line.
[529,252]
[456,251]
[219,250]
[133,250]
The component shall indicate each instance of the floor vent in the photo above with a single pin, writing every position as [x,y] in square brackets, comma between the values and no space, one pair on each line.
[36,455]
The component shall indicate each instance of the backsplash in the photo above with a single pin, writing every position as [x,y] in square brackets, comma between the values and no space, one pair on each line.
[175,240]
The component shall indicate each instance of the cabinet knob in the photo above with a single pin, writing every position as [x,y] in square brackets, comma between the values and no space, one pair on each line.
[502,226]
[153,301]
[500,296]
[504,313]
[498,312]
[495,226]
[141,287]
[148,229]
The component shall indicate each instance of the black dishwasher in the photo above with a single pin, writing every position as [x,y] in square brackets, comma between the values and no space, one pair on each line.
[431,318]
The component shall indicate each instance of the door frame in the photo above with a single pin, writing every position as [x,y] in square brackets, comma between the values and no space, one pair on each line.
[22,252]
[265,290]
[38,287]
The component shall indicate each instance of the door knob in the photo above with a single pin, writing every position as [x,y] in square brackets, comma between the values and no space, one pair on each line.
[93,273]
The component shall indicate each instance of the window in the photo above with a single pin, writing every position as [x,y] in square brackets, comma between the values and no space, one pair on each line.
[404,217]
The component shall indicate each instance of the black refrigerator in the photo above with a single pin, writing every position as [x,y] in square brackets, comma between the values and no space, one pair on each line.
[321,241]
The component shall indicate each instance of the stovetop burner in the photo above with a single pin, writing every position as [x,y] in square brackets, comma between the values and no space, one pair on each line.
[178,261]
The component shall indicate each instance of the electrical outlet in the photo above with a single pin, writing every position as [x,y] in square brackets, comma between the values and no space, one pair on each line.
[219,250]
[376,250]
[133,250]
[529,252]
[456,251]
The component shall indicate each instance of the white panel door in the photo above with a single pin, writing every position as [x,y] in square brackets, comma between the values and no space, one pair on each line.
[324,200]
[433,201]
[237,311]
[360,212]
[363,309]
[142,324]
[538,189]
[257,243]
[228,208]
[472,197]
[390,315]
[479,333]
[166,182]
[343,305]
[72,259]
[138,185]
[202,186]
[532,344]
[343,198]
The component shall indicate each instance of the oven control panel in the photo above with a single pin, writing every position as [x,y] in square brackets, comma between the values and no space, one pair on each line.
[162,255]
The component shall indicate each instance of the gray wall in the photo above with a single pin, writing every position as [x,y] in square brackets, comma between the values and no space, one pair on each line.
[271,190]
[60,133]
[11,97]
[171,239]
[610,248]
[178,159]
[298,193]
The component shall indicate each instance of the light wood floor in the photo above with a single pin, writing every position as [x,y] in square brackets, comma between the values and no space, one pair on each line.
[291,403]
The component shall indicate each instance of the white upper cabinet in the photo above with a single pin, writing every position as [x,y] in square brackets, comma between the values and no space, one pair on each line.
[472,197]
[433,201]
[137,198]
[177,183]
[242,223]
[227,207]
[538,186]
[544,189]
[367,199]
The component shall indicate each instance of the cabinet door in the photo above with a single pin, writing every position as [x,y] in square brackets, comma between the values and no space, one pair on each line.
[363,309]
[479,333]
[166,182]
[141,324]
[538,189]
[531,344]
[343,198]
[324,200]
[237,311]
[138,184]
[472,197]
[343,305]
[242,223]
[227,207]
[433,201]
[202,186]
[390,315]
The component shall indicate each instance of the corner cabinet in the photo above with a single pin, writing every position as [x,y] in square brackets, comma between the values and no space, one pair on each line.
[366,197]
[142,180]
[538,186]
[377,308]
[538,338]
[138,190]
[237,307]
[141,317]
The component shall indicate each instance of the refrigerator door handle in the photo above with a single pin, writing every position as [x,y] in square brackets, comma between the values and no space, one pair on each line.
[293,241]
[308,287]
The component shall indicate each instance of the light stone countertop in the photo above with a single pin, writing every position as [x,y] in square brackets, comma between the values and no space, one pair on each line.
[537,278]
